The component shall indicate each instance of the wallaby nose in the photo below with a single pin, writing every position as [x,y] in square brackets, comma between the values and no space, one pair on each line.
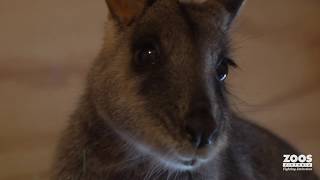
[200,125]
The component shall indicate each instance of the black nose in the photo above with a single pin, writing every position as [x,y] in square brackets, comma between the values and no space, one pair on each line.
[200,125]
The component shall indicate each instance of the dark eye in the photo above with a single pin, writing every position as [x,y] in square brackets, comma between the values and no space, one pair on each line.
[222,69]
[147,55]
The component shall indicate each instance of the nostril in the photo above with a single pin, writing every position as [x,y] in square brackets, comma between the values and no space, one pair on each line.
[200,134]
[194,135]
[205,140]
[201,127]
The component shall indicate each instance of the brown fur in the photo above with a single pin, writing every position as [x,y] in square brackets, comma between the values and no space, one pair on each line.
[132,120]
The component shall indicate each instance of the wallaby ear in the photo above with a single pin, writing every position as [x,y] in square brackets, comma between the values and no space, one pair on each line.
[232,6]
[125,11]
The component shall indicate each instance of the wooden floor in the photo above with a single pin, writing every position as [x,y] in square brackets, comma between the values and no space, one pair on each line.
[46,47]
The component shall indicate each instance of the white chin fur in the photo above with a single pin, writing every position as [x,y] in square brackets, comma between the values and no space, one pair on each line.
[165,162]
[192,1]
[179,166]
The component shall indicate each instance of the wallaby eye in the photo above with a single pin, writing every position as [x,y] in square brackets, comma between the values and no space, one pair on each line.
[147,55]
[222,69]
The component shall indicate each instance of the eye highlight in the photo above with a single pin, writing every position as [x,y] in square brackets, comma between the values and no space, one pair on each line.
[222,68]
[147,55]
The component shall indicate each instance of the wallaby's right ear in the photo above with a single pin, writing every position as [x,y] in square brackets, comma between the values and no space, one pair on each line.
[125,11]
[232,6]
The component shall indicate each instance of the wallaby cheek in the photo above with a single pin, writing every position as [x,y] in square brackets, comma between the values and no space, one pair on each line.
[118,100]
[123,108]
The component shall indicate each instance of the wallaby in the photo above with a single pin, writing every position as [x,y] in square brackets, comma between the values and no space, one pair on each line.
[156,107]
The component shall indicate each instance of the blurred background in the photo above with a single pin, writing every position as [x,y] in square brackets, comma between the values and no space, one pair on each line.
[47,46]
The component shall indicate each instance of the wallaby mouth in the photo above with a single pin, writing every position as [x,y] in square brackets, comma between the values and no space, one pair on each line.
[191,162]
[195,161]
[183,165]
[189,165]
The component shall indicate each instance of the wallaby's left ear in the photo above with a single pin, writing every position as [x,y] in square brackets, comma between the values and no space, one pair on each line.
[125,11]
[232,6]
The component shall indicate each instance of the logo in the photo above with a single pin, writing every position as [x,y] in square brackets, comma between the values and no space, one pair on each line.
[292,162]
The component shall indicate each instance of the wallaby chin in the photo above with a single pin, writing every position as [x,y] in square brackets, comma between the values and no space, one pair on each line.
[156,104]
[175,162]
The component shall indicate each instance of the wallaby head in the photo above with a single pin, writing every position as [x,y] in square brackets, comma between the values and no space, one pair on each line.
[159,80]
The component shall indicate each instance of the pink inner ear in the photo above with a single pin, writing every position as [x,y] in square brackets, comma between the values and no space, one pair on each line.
[126,10]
